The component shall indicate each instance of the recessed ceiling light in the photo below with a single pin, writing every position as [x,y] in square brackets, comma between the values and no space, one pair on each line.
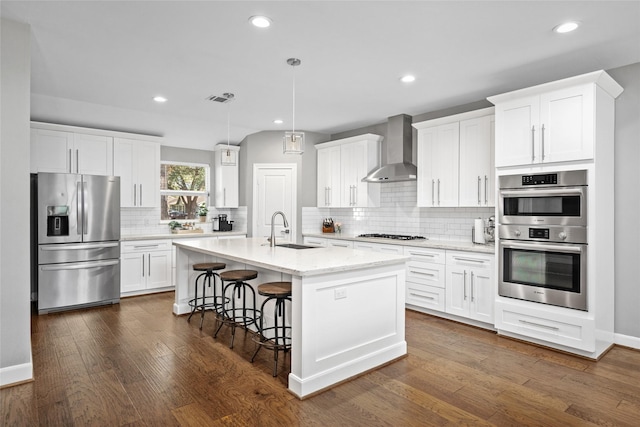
[566,27]
[278,121]
[407,79]
[260,21]
[160,99]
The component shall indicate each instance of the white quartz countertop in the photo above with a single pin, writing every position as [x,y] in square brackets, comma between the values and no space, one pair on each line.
[134,237]
[426,243]
[297,262]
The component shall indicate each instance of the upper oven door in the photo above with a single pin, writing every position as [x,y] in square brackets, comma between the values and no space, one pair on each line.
[544,206]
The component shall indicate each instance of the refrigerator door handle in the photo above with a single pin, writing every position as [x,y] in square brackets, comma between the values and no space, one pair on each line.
[85,211]
[79,205]
[83,246]
[79,265]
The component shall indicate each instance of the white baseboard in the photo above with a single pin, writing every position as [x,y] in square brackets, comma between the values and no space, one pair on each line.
[627,341]
[16,373]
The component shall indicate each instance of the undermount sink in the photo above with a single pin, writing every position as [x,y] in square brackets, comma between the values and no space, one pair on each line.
[294,246]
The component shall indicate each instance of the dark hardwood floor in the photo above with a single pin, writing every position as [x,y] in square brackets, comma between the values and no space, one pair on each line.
[136,364]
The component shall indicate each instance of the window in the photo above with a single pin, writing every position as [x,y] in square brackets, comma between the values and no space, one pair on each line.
[183,186]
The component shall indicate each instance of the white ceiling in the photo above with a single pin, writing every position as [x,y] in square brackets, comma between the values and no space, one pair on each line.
[99,63]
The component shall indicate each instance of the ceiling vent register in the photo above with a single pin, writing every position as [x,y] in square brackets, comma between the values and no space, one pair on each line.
[224,98]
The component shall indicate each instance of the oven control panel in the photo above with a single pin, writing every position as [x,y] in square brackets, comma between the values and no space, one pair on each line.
[546,179]
[558,234]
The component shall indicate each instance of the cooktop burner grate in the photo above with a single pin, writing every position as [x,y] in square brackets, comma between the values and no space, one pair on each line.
[392,236]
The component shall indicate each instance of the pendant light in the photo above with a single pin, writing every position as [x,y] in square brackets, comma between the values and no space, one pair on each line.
[293,142]
[228,157]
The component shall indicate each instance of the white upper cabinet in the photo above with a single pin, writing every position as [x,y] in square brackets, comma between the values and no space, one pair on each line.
[57,151]
[455,160]
[553,122]
[225,169]
[438,151]
[328,193]
[341,166]
[477,170]
[137,163]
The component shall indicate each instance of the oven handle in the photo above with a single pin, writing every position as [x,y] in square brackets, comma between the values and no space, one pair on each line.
[543,192]
[543,246]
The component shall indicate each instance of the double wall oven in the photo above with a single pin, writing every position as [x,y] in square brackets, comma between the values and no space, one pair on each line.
[543,238]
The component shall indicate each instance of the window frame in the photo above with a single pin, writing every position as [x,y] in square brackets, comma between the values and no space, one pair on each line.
[206,192]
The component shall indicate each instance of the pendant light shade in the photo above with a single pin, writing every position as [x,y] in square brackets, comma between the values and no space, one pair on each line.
[293,142]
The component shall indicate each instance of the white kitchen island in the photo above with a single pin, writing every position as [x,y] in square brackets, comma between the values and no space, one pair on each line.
[348,305]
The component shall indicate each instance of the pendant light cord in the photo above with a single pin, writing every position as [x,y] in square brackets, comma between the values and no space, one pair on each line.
[293,123]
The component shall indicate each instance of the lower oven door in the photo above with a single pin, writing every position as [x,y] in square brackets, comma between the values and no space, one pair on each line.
[542,272]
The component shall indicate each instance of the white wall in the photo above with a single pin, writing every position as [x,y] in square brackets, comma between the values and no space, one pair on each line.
[15,310]
[627,202]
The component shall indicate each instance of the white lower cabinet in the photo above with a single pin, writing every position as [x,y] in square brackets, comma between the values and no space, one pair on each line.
[145,265]
[339,243]
[425,280]
[315,241]
[470,287]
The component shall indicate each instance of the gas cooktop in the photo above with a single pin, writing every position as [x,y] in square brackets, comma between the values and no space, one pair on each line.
[392,236]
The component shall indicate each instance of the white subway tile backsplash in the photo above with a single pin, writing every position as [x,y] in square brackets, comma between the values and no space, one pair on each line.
[398,214]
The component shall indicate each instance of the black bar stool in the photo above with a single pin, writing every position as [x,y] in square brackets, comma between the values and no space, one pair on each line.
[277,337]
[203,301]
[235,310]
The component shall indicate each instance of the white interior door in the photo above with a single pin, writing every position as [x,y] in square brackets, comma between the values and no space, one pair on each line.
[274,189]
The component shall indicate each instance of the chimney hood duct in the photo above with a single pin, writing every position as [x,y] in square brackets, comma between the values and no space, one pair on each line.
[399,166]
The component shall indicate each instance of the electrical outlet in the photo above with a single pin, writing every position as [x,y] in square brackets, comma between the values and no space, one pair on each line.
[339,293]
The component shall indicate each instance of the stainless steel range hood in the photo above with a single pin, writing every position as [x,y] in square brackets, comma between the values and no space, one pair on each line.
[398,166]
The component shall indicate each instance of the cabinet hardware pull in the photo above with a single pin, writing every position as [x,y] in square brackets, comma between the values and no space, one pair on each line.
[149,264]
[142,265]
[472,298]
[438,192]
[421,296]
[421,254]
[464,285]
[479,196]
[533,144]
[433,192]
[542,143]
[552,328]
[423,274]
[224,197]
[70,161]
[77,161]
[486,190]
[135,196]
[481,261]
[140,194]
[145,246]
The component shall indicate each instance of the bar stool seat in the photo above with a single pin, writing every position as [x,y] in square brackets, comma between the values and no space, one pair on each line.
[239,307]
[277,337]
[206,302]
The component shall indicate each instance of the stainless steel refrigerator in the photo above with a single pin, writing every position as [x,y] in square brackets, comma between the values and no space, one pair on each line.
[78,240]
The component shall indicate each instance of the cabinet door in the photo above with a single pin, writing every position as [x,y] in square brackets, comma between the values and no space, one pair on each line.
[51,151]
[567,127]
[457,291]
[476,172]
[147,170]
[227,186]
[93,155]
[132,267]
[328,192]
[516,133]
[123,157]
[352,157]
[482,295]
[426,184]
[445,164]
[158,272]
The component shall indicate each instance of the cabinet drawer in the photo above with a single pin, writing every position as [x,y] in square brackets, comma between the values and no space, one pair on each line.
[426,273]
[425,296]
[469,259]
[146,246]
[437,256]
[378,247]
[568,332]
[339,243]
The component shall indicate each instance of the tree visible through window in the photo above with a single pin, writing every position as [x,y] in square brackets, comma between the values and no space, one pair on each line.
[182,188]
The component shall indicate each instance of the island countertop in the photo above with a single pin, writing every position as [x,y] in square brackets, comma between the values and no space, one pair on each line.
[297,262]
